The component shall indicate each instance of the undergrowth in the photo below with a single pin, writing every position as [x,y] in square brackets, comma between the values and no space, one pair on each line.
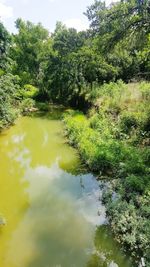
[113,140]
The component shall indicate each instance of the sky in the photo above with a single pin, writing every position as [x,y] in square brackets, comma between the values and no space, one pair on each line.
[48,12]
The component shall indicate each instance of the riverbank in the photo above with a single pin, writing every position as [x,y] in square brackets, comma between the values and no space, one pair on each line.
[113,141]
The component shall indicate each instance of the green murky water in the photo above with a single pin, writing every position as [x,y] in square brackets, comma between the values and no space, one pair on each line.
[51,214]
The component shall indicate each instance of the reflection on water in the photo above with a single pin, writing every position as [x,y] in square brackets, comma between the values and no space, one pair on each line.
[51,214]
[58,227]
[107,252]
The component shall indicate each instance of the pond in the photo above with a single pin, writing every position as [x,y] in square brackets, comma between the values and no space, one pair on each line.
[52,209]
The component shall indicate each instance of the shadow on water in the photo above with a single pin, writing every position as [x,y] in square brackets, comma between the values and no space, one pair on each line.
[52,113]
[107,251]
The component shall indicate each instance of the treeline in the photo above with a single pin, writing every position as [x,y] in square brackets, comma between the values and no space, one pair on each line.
[67,65]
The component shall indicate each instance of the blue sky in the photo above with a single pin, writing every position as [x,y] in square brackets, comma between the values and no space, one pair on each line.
[48,12]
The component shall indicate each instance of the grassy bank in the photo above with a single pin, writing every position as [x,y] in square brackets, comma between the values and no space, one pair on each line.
[113,141]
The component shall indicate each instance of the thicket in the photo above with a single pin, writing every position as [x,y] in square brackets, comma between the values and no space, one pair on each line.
[8,89]
[113,140]
[13,99]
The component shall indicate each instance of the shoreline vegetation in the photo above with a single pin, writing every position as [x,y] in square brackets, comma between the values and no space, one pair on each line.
[103,74]
[113,141]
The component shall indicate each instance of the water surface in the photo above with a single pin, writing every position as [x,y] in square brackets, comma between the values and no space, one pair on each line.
[51,213]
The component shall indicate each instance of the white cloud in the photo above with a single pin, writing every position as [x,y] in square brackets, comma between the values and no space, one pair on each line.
[78,24]
[51,1]
[2,1]
[5,11]
[25,2]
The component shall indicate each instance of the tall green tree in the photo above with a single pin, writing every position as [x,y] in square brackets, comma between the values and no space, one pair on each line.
[28,50]
[5,40]
[119,20]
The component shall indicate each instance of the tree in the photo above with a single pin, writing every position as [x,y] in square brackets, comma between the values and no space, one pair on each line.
[121,20]
[28,50]
[66,40]
[94,13]
[5,40]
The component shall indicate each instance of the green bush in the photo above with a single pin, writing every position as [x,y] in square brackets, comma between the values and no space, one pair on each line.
[99,155]
[130,228]
[43,106]
[128,121]
[146,123]
[26,105]
[145,90]
[8,88]
[137,184]
[28,91]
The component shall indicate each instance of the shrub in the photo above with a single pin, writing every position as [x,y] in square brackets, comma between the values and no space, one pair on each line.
[43,106]
[100,155]
[145,90]
[8,88]
[137,184]
[26,105]
[128,121]
[146,123]
[130,228]
[28,91]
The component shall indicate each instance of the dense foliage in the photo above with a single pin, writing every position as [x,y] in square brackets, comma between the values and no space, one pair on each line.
[113,140]
[67,64]
[5,40]
[8,89]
